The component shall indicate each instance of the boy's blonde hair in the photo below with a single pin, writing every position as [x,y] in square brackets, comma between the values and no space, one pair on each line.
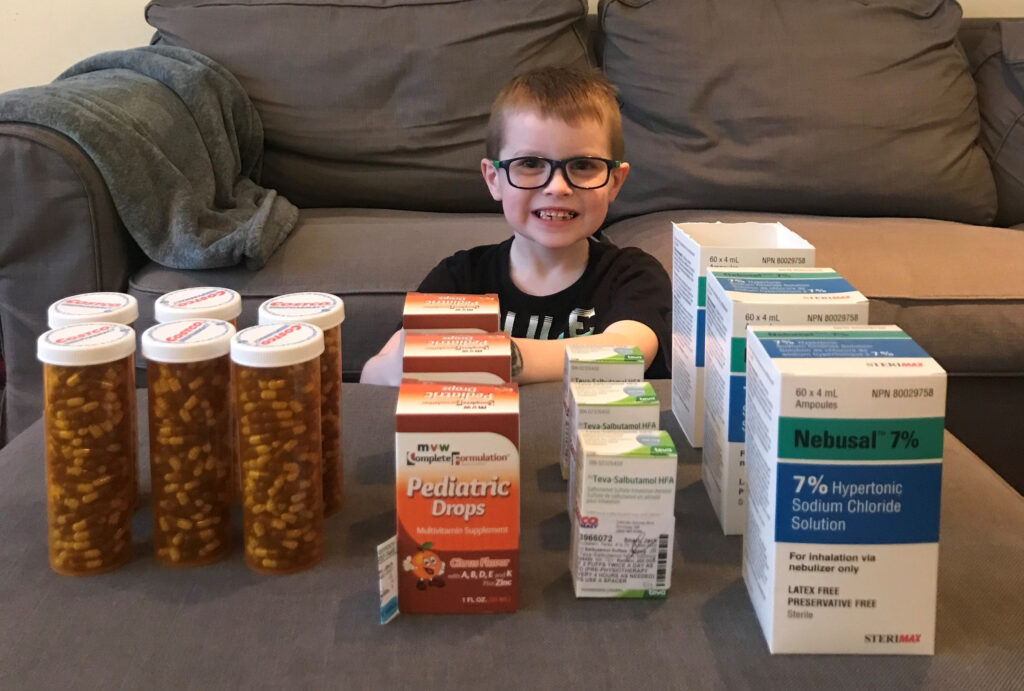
[571,94]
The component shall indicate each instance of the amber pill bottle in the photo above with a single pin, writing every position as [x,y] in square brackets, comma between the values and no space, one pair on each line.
[204,302]
[116,308]
[328,312]
[191,459]
[89,418]
[277,403]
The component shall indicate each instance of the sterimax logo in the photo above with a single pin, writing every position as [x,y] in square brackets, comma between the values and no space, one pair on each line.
[429,454]
[892,638]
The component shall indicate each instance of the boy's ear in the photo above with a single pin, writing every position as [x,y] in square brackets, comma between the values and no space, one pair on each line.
[618,177]
[490,174]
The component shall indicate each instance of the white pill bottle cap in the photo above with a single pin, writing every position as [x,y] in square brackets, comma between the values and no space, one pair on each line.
[187,340]
[321,309]
[198,303]
[277,345]
[119,308]
[80,345]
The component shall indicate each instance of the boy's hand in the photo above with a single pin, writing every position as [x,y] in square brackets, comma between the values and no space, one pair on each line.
[385,368]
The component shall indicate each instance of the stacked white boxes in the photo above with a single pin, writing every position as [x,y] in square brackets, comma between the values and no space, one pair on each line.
[623,523]
[844,460]
[695,247]
[755,296]
[591,363]
[630,406]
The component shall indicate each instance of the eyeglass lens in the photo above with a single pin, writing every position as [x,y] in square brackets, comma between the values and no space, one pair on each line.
[532,172]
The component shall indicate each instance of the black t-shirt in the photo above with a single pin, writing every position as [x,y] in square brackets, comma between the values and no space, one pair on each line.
[618,284]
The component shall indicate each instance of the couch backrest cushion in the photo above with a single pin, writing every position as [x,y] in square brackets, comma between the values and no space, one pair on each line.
[999,73]
[376,103]
[844,107]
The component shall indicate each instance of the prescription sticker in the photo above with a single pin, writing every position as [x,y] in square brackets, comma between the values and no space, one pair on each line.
[387,573]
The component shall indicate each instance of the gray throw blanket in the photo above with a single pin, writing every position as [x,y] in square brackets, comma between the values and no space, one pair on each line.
[179,164]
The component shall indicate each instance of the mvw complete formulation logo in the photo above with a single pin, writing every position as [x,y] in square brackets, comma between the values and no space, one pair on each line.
[429,454]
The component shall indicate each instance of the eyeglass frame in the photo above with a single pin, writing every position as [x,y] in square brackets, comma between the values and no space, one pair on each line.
[556,165]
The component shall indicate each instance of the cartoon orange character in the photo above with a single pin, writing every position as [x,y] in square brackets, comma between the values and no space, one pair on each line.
[426,566]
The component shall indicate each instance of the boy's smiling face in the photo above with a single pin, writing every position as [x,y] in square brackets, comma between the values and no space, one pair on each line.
[557,215]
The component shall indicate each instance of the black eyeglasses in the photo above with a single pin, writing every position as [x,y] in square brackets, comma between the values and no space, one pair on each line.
[534,172]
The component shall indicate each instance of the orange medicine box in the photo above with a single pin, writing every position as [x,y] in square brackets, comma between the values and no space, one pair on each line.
[439,312]
[458,357]
[457,497]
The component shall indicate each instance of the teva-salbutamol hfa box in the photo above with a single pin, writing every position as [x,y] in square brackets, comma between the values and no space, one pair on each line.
[755,296]
[623,523]
[844,461]
[589,363]
[695,248]
[440,312]
[480,358]
[457,497]
[630,406]
[625,472]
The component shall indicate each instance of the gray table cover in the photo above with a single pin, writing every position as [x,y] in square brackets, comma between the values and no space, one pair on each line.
[223,626]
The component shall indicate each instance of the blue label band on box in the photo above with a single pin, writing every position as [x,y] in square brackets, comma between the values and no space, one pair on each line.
[824,503]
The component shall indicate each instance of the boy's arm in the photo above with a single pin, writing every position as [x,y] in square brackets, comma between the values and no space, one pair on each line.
[539,361]
[385,368]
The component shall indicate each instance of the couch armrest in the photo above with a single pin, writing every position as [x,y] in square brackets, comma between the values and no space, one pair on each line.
[61,236]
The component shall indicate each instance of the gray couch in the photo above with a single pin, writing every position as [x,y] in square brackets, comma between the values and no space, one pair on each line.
[855,124]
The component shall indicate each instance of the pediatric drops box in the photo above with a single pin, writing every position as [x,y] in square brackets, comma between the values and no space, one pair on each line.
[695,247]
[482,358]
[590,363]
[457,497]
[844,462]
[440,312]
[755,296]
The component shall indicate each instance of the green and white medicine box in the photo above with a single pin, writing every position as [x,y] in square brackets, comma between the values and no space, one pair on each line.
[844,465]
[585,363]
[755,296]
[695,248]
[607,405]
[625,472]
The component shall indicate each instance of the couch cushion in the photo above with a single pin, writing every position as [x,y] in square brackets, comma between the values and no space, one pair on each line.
[999,73]
[370,258]
[846,107]
[957,289]
[365,101]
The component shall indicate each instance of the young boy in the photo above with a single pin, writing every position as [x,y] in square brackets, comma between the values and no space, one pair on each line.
[554,144]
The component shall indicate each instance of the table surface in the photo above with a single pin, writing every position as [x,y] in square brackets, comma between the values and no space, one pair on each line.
[225,626]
